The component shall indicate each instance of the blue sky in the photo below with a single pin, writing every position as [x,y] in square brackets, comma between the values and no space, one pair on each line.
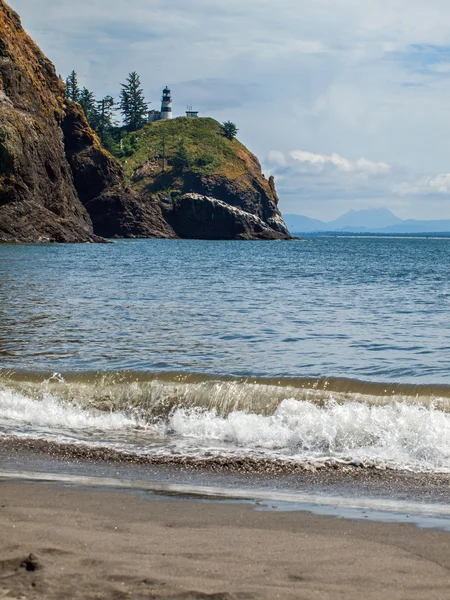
[346,102]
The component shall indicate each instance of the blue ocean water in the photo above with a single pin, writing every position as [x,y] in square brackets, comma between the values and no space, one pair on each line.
[372,309]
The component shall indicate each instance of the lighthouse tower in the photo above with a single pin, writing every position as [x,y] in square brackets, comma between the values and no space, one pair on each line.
[166,104]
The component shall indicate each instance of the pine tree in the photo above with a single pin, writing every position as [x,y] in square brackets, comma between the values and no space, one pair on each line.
[72,88]
[104,121]
[133,106]
[89,106]
[105,114]
[229,130]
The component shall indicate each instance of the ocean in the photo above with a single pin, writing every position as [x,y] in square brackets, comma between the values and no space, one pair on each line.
[322,353]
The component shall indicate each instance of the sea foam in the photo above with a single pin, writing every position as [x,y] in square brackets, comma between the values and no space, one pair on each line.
[19,410]
[398,435]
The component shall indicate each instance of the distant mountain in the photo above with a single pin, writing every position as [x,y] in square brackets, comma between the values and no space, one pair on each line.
[366,218]
[413,226]
[303,224]
[379,220]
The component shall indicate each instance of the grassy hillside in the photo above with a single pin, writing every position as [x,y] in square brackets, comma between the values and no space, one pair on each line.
[162,154]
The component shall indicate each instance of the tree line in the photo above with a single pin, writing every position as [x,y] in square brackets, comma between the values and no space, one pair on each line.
[132,105]
[100,114]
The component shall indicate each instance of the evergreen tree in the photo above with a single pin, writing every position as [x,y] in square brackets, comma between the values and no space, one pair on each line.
[133,106]
[72,88]
[104,121]
[229,130]
[89,105]
[105,114]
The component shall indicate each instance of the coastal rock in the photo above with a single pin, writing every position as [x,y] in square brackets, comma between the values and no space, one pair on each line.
[249,192]
[38,200]
[53,169]
[120,213]
[203,217]
[114,208]
[198,187]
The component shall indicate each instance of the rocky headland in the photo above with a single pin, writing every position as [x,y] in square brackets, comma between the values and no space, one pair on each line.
[180,178]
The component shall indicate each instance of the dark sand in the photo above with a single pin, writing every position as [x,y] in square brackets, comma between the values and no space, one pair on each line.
[43,456]
[103,544]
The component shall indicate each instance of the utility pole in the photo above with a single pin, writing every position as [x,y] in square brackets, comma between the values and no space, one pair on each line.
[163,139]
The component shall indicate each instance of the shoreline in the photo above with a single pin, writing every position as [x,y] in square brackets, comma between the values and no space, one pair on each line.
[17,449]
[90,543]
[382,510]
[349,492]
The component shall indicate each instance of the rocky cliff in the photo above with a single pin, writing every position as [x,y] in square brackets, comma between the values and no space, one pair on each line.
[53,170]
[180,161]
[180,178]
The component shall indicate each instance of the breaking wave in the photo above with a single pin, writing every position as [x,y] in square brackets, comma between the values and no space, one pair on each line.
[305,421]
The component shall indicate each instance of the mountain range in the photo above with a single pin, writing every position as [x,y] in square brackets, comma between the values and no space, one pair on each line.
[378,220]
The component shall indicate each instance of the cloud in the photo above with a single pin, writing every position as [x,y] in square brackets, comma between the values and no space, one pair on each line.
[277,158]
[425,186]
[320,161]
[327,185]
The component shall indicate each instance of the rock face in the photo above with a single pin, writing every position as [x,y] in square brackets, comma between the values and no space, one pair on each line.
[115,209]
[38,201]
[201,217]
[198,187]
[216,207]
[53,169]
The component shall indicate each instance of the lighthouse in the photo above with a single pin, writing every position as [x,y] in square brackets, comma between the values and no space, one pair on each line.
[166,104]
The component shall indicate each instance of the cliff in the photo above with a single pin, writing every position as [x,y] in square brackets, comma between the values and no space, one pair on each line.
[52,166]
[179,178]
[179,161]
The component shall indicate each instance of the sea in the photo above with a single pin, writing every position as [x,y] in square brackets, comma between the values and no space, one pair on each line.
[325,353]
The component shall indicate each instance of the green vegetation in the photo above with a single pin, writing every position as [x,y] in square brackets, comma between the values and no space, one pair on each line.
[88,103]
[100,113]
[102,121]
[72,88]
[133,106]
[162,154]
[229,130]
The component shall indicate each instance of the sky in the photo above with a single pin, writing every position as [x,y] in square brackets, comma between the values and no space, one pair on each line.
[345,102]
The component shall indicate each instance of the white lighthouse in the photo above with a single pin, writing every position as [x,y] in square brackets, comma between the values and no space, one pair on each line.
[166,104]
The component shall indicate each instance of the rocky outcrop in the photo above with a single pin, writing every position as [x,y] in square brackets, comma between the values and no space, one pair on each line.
[209,178]
[53,170]
[194,216]
[38,201]
[250,191]
[251,196]
[114,208]
[124,213]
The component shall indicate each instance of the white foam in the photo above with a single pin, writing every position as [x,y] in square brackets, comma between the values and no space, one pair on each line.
[18,410]
[396,435]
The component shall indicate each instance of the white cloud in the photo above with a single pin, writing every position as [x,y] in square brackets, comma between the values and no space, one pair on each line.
[320,161]
[374,168]
[425,186]
[277,158]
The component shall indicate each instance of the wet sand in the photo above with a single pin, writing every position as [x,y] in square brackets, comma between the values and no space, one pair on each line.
[44,456]
[88,543]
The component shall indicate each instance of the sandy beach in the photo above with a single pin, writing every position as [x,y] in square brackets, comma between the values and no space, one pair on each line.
[66,542]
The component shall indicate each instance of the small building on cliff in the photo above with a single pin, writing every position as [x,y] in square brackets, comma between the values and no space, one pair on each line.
[166,109]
